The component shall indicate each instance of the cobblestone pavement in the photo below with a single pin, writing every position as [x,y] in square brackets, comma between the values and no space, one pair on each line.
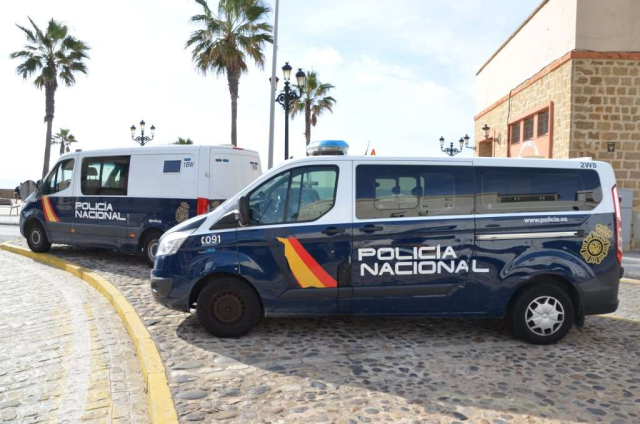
[376,370]
[65,355]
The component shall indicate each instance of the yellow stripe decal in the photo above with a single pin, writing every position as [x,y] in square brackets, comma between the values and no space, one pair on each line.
[303,275]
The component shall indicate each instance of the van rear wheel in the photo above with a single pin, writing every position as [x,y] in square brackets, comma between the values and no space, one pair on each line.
[37,238]
[542,314]
[228,308]
[150,246]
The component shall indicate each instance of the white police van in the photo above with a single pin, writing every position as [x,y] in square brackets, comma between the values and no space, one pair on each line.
[127,198]
[535,240]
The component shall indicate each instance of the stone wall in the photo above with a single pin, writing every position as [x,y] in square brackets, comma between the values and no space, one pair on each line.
[554,85]
[606,109]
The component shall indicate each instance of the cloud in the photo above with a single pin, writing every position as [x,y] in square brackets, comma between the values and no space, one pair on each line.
[321,57]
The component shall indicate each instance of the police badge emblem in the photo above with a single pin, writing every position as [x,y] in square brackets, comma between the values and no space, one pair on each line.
[595,247]
[182,213]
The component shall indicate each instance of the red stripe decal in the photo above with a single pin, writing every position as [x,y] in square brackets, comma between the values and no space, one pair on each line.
[314,266]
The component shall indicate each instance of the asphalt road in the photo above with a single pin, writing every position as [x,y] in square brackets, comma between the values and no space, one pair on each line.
[631,264]
[9,232]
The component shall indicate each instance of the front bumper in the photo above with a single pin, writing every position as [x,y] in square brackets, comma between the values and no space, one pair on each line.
[161,289]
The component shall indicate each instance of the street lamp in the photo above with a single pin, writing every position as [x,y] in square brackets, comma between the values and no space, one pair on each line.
[486,129]
[451,151]
[466,142]
[142,139]
[287,98]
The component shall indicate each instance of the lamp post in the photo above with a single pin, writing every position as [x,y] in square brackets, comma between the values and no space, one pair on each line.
[142,139]
[451,151]
[287,98]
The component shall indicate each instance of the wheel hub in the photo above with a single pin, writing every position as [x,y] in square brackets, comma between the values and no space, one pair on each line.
[544,316]
[36,238]
[227,307]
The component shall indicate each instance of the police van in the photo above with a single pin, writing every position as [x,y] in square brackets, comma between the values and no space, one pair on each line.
[127,198]
[537,241]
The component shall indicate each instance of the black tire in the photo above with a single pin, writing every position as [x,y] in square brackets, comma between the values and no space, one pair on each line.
[542,314]
[150,246]
[228,308]
[37,238]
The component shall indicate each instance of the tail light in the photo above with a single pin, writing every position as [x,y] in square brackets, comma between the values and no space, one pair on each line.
[202,206]
[618,223]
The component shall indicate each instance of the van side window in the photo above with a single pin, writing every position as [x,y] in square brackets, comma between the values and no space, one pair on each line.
[60,178]
[410,191]
[518,190]
[105,176]
[301,195]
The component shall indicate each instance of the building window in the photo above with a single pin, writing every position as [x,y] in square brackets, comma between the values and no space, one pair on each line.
[528,129]
[543,123]
[515,133]
[531,134]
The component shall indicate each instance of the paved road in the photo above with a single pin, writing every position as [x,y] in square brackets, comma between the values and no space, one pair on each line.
[9,232]
[631,263]
[64,353]
[383,370]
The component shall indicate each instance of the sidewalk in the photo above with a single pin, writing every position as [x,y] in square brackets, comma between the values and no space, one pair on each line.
[6,219]
[65,354]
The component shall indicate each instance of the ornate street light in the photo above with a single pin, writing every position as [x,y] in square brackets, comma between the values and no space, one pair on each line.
[466,142]
[451,151]
[142,139]
[486,129]
[287,98]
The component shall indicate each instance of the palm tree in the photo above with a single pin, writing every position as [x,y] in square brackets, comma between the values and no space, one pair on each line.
[64,138]
[52,55]
[183,141]
[313,102]
[235,32]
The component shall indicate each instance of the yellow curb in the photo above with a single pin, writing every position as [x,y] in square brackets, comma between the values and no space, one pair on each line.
[629,281]
[619,319]
[161,408]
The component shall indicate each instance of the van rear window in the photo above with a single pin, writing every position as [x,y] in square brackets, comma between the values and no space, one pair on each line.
[519,190]
[172,166]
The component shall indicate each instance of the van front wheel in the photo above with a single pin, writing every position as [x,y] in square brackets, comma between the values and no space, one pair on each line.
[37,238]
[542,314]
[150,246]
[228,308]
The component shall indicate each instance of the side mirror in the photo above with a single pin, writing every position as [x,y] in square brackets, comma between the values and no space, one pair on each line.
[243,211]
[39,185]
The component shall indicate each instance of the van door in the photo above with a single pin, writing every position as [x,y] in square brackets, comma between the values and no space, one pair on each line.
[231,172]
[297,249]
[412,236]
[57,201]
[100,205]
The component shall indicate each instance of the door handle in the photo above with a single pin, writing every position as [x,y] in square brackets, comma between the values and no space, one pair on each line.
[332,231]
[370,228]
[65,200]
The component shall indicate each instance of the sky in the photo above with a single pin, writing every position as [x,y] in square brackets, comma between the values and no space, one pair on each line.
[404,73]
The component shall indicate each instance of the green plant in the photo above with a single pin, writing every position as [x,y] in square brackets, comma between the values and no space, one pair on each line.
[233,34]
[52,56]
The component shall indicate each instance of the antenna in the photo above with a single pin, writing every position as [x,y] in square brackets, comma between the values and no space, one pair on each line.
[367,151]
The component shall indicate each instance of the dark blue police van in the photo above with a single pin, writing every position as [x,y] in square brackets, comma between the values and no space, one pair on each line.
[537,241]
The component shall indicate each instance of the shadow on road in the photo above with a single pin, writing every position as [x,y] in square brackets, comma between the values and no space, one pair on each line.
[442,364]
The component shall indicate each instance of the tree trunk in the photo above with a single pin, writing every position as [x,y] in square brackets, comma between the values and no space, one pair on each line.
[234,81]
[48,118]
[307,122]
[61,147]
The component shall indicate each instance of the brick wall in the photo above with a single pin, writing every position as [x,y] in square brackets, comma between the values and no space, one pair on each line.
[554,86]
[606,109]
[6,193]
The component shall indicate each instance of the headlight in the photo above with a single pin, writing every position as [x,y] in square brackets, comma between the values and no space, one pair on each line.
[170,243]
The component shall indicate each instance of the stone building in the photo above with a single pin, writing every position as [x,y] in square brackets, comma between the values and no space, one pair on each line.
[566,84]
